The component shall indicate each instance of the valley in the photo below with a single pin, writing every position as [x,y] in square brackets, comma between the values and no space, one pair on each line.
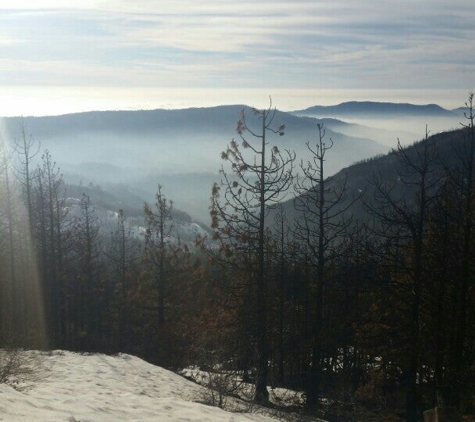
[180,149]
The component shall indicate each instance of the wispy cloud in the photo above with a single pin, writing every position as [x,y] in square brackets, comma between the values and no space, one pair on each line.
[260,43]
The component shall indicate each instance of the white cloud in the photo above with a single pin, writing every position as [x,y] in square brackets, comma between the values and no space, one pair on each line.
[229,43]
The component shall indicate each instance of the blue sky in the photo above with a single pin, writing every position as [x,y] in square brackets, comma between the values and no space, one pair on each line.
[145,45]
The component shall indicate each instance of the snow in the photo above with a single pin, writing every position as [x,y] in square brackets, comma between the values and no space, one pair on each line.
[178,231]
[282,397]
[75,387]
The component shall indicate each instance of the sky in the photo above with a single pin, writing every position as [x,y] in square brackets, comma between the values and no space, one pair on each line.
[58,56]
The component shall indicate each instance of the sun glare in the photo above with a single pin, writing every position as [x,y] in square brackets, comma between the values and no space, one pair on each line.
[22,299]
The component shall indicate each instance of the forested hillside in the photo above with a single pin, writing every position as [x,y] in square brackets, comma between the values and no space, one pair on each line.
[356,289]
[180,149]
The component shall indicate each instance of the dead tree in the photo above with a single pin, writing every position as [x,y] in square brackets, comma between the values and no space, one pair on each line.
[259,177]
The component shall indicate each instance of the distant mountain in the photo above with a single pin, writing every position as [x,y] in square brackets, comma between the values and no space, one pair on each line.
[461,112]
[375,109]
[160,123]
[128,153]
[122,122]
[172,147]
[152,129]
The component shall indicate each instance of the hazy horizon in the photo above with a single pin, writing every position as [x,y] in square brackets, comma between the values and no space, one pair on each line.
[51,101]
[61,57]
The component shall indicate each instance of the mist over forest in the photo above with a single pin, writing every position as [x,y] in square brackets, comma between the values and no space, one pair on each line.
[314,264]
[237,210]
[180,149]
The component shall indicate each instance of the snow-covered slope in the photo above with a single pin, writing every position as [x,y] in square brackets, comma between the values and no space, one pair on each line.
[99,388]
[177,231]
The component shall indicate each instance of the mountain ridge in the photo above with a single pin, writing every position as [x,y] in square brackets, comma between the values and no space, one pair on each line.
[376,108]
[146,147]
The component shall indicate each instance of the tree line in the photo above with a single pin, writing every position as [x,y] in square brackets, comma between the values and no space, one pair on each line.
[291,289]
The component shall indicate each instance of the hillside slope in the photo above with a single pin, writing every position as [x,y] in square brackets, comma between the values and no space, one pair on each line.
[180,149]
[99,388]
[360,177]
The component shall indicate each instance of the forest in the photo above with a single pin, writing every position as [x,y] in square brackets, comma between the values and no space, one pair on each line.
[356,289]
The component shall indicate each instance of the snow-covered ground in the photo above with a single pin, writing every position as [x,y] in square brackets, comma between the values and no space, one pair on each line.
[72,387]
[282,397]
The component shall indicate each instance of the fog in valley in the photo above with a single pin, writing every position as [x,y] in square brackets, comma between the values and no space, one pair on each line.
[275,200]
[134,151]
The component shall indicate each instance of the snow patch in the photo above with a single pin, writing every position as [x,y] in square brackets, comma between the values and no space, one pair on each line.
[100,388]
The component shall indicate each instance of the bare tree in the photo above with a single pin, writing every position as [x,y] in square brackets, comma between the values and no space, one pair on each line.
[86,282]
[27,149]
[319,226]
[122,253]
[159,228]
[239,208]
[282,241]
[464,183]
[10,295]
[401,208]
